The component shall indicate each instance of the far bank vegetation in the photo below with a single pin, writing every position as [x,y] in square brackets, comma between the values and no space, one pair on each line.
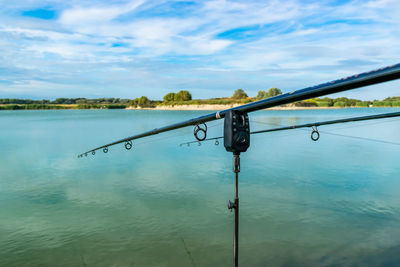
[184,97]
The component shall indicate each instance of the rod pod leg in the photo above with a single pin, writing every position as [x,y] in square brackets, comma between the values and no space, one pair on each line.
[235,206]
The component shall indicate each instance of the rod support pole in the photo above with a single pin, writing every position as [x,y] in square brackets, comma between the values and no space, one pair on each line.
[236,170]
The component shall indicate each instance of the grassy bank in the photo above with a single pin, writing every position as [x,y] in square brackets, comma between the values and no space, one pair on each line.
[212,101]
[217,103]
[63,106]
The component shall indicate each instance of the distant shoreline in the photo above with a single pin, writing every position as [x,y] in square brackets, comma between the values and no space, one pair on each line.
[193,107]
[143,103]
[222,107]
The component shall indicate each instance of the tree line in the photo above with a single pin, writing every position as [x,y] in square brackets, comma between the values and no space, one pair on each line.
[65,101]
[342,102]
[184,97]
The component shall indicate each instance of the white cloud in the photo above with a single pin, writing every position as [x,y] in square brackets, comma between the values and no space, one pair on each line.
[381,3]
[94,15]
[206,45]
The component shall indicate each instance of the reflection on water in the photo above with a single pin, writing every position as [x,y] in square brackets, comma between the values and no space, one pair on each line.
[331,202]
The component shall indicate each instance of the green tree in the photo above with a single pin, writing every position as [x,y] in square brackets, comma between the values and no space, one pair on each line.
[262,94]
[396,103]
[310,103]
[270,93]
[387,104]
[362,104]
[143,101]
[81,101]
[340,104]
[61,100]
[183,95]
[169,97]
[239,94]
[378,103]
[274,92]
[325,102]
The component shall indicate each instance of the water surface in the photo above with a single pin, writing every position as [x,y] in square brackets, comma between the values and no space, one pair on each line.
[331,202]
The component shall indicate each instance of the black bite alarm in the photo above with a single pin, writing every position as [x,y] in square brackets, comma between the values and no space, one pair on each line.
[236,131]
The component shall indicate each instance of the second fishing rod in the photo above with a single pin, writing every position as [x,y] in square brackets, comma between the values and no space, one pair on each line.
[313,125]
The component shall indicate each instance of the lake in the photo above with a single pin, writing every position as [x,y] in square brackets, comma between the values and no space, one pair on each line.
[302,203]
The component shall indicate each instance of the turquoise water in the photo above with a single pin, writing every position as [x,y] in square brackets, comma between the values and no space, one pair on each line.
[331,202]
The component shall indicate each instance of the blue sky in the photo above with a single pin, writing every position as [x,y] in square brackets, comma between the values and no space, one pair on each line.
[127,49]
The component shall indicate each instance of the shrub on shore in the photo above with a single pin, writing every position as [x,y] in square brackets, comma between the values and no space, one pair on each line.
[184,97]
[239,94]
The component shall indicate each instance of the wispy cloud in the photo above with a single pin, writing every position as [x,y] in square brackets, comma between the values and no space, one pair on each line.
[132,48]
[89,16]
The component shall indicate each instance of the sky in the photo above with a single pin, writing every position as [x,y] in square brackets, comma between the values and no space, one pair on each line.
[126,49]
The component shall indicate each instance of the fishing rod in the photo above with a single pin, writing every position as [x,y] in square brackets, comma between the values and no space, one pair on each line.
[352,82]
[237,128]
[315,133]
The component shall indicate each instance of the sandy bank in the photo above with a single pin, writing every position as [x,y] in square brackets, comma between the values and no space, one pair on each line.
[222,107]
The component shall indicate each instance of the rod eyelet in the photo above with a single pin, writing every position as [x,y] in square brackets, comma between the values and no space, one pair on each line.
[128,145]
[314,134]
[200,128]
